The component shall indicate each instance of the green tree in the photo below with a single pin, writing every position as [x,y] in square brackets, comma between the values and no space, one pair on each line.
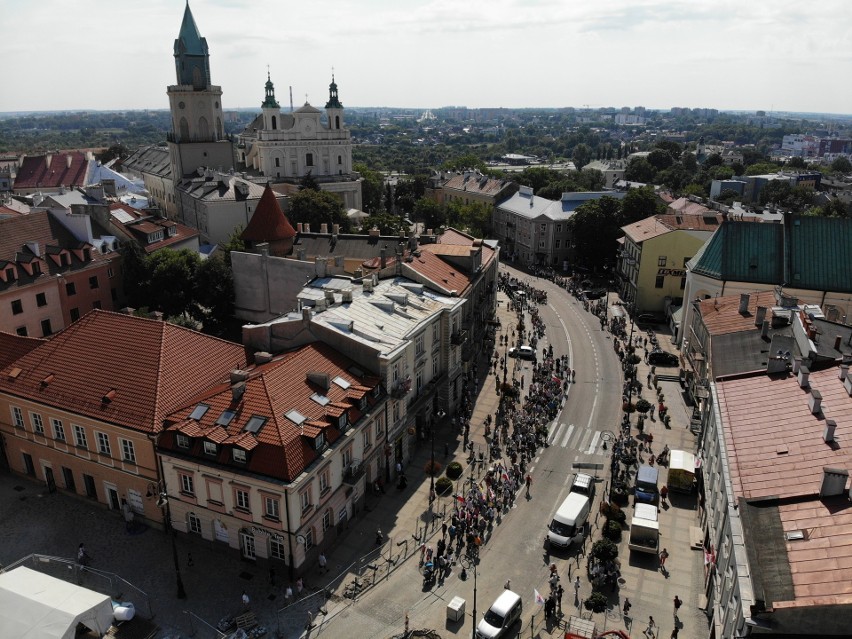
[693,188]
[639,204]
[316,208]
[474,218]
[833,208]
[214,294]
[841,165]
[371,188]
[594,228]
[172,274]
[135,273]
[464,162]
[660,159]
[640,170]
[714,159]
[728,196]
[309,183]
[762,168]
[797,163]
[430,213]
[234,243]
[387,223]
[775,192]
[538,177]
[581,155]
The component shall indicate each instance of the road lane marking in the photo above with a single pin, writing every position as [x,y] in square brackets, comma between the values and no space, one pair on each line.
[593,446]
[567,436]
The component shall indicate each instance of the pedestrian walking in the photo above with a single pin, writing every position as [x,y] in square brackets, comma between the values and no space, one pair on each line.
[664,492]
[507,585]
[577,588]
[288,594]
[559,592]
[323,563]
[300,586]
[83,557]
[674,633]
[650,630]
[627,606]
[529,483]
[677,604]
[246,600]
[663,556]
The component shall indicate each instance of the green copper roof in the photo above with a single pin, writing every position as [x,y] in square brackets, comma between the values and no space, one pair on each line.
[809,252]
[269,100]
[189,40]
[333,101]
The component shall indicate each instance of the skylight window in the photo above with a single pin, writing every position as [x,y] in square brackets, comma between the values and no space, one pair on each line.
[295,416]
[255,423]
[341,382]
[322,400]
[199,412]
[226,417]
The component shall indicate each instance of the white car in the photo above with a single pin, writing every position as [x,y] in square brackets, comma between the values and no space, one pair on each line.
[524,352]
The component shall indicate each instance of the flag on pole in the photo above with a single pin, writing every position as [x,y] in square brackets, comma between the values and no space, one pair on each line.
[538,598]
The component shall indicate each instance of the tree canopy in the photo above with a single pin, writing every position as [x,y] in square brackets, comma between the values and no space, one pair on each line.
[316,208]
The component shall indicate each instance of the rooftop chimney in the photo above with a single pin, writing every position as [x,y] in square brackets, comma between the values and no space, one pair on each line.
[833,481]
[804,374]
[237,391]
[335,229]
[306,314]
[307,227]
[760,315]
[324,228]
[847,384]
[68,160]
[844,372]
[797,364]
[828,433]
[837,340]
[262,357]
[374,232]
[744,298]
[238,375]
[384,257]
[299,227]
[815,401]
[764,329]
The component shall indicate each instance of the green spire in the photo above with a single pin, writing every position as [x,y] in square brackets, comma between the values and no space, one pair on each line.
[333,102]
[189,40]
[269,102]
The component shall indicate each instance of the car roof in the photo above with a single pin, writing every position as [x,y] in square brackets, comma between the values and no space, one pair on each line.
[504,602]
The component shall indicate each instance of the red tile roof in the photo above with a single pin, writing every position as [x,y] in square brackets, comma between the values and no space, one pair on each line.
[657,225]
[271,391]
[13,347]
[453,236]
[52,171]
[152,366]
[721,315]
[268,222]
[120,212]
[445,276]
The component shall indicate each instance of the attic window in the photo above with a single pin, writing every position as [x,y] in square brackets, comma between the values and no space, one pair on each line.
[295,416]
[795,535]
[13,374]
[319,442]
[341,382]
[199,412]
[255,423]
[322,400]
[226,417]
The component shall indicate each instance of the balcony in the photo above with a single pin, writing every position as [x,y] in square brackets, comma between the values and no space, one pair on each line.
[353,472]
[458,337]
[402,388]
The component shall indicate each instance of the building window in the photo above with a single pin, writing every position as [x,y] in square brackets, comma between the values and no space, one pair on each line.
[80,437]
[395,412]
[41,299]
[380,425]
[305,498]
[277,161]
[326,520]
[113,293]
[659,281]
[367,440]
[309,538]
[58,430]
[38,423]
[210,448]
[239,455]
[18,417]
[75,314]
[436,366]
[347,457]
[557,244]
[309,159]
[683,283]
[22,331]
[128,453]
[418,345]
[45,328]
[103,444]
[324,483]
[110,272]
[272,508]
[182,440]
[436,332]
[187,484]
[96,304]
[17,307]
[276,549]
[93,282]
[194,523]
[661,261]
[70,288]
[558,228]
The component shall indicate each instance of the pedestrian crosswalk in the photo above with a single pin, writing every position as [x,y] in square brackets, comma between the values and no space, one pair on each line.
[582,440]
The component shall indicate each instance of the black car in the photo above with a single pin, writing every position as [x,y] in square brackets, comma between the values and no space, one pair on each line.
[662,358]
[594,294]
[650,318]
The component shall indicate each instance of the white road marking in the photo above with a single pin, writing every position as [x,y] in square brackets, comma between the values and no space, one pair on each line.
[594,443]
[567,436]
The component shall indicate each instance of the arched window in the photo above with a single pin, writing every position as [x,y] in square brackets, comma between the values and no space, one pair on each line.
[203,128]
[309,159]
[336,121]
[274,122]
[184,129]
[219,135]
[340,159]
[197,79]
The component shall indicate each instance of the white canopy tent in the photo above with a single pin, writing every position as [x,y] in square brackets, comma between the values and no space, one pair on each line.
[37,606]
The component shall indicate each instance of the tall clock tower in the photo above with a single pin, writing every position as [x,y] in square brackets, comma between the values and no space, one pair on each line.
[197,138]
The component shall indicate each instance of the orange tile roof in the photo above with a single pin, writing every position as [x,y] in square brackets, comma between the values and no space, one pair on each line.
[445,276]
[475,183]
[272,390]
[152,366]
[66,169]
[721,315]
[763,416]
[454,236]
[268,222]
[13,347]
[657,225]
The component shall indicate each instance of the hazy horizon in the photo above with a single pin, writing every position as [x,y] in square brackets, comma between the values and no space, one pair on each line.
[778,56]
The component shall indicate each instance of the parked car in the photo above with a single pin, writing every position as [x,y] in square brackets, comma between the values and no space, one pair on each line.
[524,352]
[662,358]
[502,614]
[650,318]
[594,293]
[584,484]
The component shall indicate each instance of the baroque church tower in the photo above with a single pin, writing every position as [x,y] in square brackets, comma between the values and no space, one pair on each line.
[197,138]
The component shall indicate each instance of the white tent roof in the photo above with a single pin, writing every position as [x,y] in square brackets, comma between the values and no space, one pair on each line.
[37,606]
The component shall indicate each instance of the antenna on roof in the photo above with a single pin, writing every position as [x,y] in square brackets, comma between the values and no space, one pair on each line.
[291,98]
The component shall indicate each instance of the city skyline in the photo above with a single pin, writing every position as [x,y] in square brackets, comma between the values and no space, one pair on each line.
[431,53]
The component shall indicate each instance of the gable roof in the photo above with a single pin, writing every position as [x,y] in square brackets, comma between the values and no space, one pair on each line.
[445,277]
[153,160]
[137,224]
[272,390]
[806,252]
[153,367]
[13,347]
[268,223]
[52,170]
[721,315]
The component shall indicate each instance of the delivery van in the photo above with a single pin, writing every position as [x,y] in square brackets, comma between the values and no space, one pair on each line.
[646,484]
[644,529]
[504,612]
[681,471]
[568,524]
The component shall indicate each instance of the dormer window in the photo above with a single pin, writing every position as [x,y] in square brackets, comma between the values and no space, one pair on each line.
[342,421]
[319,442]
[87,254]
[199,412]
[10,274]
[172,231]
[239,455]
[210,449]
[362,403]
[182,440]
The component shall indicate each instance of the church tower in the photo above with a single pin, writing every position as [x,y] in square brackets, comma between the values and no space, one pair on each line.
[333,108]
[197,138]
[271,108]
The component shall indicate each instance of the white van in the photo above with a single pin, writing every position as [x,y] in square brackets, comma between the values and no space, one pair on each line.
[645,529]
[569,521]
[505,611]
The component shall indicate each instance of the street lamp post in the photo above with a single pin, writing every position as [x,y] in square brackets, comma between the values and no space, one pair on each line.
[630,373]
[470,564]
[163,503]
[432,470]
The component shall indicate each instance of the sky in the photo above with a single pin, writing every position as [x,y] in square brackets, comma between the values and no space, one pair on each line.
[778,55]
